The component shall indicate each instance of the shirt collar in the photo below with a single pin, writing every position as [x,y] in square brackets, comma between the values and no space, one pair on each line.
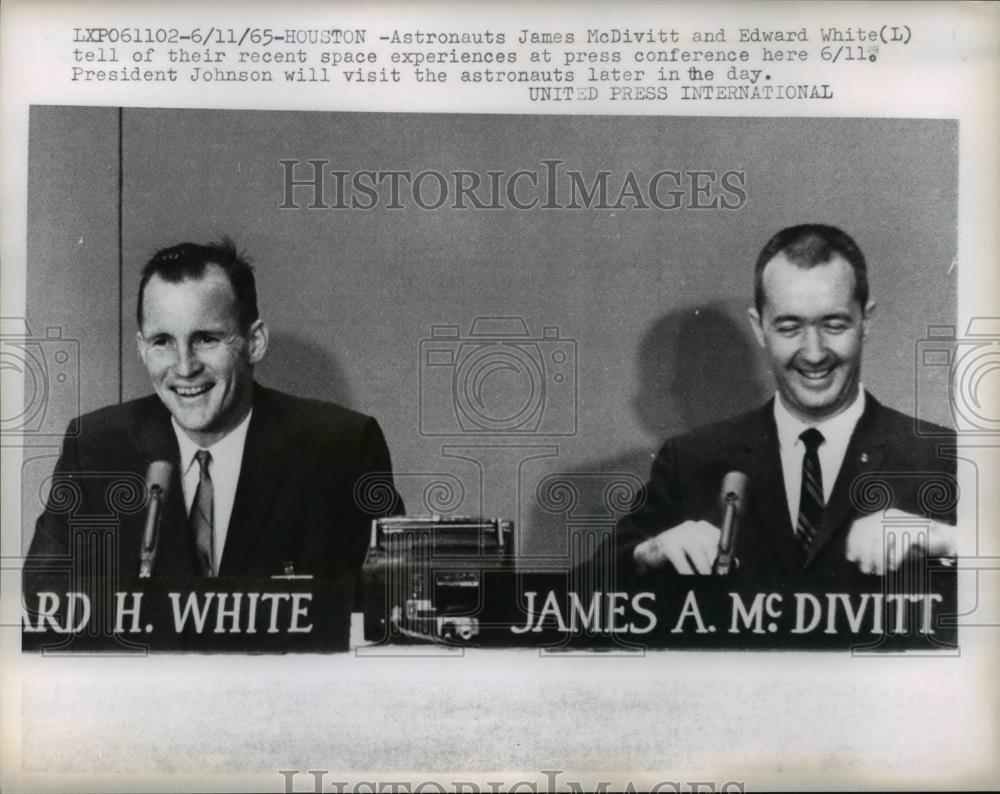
[229,446]
[842,425]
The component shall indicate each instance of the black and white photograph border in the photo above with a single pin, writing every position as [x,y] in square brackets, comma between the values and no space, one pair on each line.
[392,248]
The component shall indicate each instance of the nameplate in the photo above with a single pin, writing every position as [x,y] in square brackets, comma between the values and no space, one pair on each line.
[256,615]
[548,609]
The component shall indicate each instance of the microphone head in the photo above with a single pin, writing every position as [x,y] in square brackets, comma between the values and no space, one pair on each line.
[158,474]
[734,490]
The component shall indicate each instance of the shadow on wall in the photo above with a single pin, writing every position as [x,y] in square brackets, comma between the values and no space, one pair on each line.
[301,367]
[695,366]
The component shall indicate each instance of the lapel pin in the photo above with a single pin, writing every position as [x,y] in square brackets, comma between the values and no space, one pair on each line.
[864,457]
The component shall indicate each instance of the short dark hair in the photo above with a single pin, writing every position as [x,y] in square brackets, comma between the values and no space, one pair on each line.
[808,245]
[189,260]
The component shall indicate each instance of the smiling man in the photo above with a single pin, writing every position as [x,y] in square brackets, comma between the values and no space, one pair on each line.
[261,483]
[825,461]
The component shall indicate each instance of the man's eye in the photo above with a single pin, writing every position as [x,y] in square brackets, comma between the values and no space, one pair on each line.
[159,341]
[204,340]
[837,327]
[787,330]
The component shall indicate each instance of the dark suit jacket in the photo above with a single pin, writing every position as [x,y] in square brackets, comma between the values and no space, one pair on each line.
[305,496]
[886,466]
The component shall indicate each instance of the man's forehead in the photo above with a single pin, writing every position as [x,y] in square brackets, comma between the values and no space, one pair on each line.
[211,293]
[211,277]
[213,284]
[785,278]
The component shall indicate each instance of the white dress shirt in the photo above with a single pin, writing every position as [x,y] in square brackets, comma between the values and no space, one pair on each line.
[836,432]
[224,469]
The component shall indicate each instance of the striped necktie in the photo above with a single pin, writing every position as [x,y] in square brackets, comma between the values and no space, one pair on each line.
[811,502]
[202,516]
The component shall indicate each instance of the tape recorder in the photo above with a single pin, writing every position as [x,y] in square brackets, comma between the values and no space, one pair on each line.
[423,576]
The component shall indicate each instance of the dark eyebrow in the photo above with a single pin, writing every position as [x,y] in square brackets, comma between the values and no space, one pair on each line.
[794,318]
[209,331]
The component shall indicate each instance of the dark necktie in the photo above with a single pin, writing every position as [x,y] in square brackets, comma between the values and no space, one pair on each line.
[202,516]
[811,502]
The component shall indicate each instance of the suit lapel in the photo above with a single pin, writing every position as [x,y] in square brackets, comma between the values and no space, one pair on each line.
[261,474]
[865,452]
[767,487]
[157,441]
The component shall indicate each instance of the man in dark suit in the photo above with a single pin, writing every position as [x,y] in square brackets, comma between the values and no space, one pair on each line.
[260,483]
[825,460]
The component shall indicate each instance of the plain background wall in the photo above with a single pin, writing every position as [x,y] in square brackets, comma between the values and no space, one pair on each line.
[654,300]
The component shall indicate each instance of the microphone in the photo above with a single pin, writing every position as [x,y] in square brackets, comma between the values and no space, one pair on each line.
[733,500]
[157,482]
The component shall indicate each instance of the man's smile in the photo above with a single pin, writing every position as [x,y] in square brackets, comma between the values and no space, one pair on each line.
[816,375]
[192,391]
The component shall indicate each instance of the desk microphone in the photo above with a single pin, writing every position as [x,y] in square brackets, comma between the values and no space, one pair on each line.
[157,482]
[733,501]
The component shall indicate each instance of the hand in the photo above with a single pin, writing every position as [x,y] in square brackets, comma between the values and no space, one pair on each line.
[690,547]
[877,546]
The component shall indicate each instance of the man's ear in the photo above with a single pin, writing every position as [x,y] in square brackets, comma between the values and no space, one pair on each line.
[866,317]
[755,324]
[140,346]
[257,338]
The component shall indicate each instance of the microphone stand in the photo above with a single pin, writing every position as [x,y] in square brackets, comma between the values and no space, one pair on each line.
[725,561]
[150,533]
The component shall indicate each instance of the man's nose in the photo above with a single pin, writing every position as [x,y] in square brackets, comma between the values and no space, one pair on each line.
[188,363]
[813,346]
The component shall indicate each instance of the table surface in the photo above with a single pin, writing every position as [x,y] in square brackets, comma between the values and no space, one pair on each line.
[424,709]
